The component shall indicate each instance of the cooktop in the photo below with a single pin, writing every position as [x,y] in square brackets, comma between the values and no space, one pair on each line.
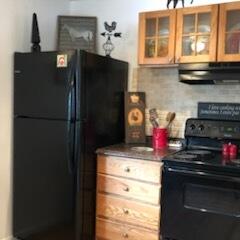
[204,142]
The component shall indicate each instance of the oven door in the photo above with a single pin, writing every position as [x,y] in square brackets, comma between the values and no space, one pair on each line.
[199,205]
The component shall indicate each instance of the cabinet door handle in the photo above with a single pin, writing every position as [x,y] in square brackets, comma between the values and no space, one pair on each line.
[170,60]
[125,235]
[126,169]
[126,189]
[125,211]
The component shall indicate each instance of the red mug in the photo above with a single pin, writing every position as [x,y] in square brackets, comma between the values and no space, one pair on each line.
[160,138]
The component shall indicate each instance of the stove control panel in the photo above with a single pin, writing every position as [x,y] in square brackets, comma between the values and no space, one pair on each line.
[212,128]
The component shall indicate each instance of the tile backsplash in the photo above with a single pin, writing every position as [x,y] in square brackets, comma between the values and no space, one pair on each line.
[165,93]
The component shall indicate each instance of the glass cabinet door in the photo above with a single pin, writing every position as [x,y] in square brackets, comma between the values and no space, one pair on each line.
[156,37]
[232,38]
[196,34]
[150,41]
[163,32]
[229,32]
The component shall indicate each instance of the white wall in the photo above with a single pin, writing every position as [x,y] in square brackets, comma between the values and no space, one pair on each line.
[125,13]
[15,28]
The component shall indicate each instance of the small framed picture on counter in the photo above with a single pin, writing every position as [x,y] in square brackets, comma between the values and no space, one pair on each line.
[76,32]
[134,117]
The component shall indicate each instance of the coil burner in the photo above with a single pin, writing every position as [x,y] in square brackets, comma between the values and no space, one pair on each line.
[194,155]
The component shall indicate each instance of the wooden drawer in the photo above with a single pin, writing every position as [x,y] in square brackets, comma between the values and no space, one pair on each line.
[128,211]
[142,191]
[108,230]
[131,168]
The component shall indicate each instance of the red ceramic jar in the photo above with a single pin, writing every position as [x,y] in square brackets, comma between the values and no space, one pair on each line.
[160,138]
[226,150]
[233,151]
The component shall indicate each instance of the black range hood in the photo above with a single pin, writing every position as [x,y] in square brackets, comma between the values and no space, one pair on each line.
[210,73]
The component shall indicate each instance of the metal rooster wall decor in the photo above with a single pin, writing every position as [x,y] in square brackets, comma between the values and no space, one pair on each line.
[175,3]
[108,45]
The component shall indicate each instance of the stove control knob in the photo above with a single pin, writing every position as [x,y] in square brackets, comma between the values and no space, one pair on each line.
[192,127]
[201,127]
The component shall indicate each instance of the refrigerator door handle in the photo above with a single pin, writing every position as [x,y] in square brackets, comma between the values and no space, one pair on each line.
[70,147]
[77,148]
[70,122]
[70,142]
[78,72]
[78,151]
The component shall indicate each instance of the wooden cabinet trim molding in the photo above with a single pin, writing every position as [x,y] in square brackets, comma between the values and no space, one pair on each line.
[198,9]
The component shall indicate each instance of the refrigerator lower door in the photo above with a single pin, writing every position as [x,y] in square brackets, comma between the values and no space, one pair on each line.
[86,184]
[43,183]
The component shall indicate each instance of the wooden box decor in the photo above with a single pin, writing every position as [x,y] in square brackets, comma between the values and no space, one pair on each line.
[134,117]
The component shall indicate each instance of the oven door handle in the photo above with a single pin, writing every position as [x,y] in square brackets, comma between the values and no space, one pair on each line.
[203,174]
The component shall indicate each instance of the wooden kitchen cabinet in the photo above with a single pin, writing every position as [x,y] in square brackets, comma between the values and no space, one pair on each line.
[229,32]
[156,37]
[196,35]
[128,198]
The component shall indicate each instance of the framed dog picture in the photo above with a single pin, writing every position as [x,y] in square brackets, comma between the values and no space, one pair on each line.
[77,33]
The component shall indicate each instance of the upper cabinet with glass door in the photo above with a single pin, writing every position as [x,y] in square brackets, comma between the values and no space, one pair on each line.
[196,36]
[157,37]
[229,32]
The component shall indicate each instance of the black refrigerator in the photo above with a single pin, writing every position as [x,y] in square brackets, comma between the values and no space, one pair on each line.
[66,105]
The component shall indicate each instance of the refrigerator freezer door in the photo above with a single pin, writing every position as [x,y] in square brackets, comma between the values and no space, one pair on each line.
[43,186]
[103,81]
[43,83]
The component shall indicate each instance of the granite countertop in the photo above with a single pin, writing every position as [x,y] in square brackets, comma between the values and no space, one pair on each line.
[130,151]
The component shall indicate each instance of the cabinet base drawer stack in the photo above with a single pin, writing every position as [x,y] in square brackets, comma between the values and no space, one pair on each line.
[128,199]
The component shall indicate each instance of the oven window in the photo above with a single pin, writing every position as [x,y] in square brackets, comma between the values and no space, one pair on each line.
[212,199]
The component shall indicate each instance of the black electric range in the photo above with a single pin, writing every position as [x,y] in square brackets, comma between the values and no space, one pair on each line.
[200,187]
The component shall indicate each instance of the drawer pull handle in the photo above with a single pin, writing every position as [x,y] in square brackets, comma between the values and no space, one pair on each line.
[125,235]
[127,169]
[126,189]
[125,211]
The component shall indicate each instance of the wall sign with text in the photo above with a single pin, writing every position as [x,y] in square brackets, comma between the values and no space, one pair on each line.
[222,111]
